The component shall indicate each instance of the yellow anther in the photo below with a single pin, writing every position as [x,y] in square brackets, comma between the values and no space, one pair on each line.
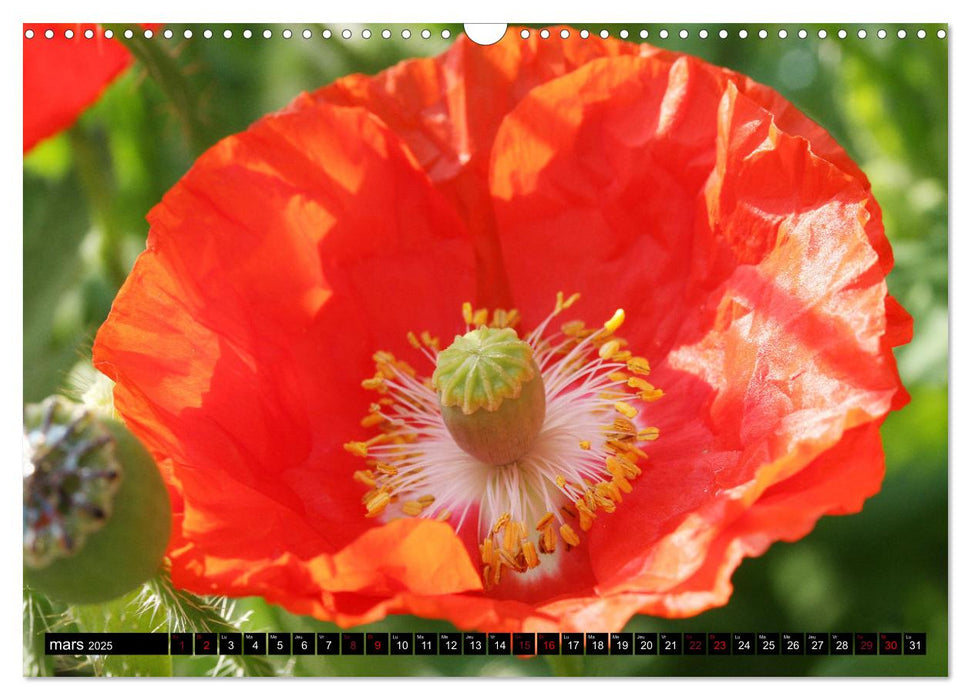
[623,484]
[467,313]
[625,408]
[429,340]
[388,469]
[480,317]
[653,394]
[584,444]
[375,384]
[377,503]
[356,448]
[544,521]
[500,523]
[608,349]
[572,328]
[638,365]
[568,510]
[426,500]
[568,535]
[615,321]
[498,318]
[412,508]
[547,540]
[488,550]
[617,377]
[562,303]
[647,434]
[413,341]
[366,478]
[529,554]
[372,419]
[512,318]
[561,481]
[444,515]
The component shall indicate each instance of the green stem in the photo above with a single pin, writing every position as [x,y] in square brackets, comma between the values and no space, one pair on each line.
[166,72]
[97,180]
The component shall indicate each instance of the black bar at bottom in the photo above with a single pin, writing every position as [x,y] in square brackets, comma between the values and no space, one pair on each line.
[77,643]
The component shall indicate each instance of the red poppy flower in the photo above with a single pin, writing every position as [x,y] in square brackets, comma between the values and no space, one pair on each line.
[64,75]
[743,245]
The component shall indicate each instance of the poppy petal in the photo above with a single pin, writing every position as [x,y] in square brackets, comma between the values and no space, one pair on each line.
[747,268]
[62,76]
[274,267]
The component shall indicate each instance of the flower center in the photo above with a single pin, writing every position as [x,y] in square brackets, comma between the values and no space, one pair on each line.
[534,437]
[491,394]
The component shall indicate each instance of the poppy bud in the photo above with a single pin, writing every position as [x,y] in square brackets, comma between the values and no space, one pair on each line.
[492,395]
[97,517]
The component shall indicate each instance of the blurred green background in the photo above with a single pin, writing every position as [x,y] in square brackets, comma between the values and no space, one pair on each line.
[87,190]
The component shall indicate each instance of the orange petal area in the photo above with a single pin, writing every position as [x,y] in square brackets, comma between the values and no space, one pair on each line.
[274,268]
[752,272]
[447,109]
[408,556]
[63,76]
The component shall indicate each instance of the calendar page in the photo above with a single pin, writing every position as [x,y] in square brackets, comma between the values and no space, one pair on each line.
[587,349]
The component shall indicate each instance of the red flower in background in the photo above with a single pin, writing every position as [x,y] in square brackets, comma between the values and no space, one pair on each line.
[742,242]
[63,76]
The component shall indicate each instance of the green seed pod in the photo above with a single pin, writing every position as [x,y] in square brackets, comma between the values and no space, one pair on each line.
[491,393]
[97,517]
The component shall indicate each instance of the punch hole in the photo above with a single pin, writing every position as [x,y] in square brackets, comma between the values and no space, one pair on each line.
[584,34]
[941,34]
[882,34]
[207,34]
[247,34]
[604,34]
[227,34]
[68,33]
[426,33]
[703,33]
[108,34]
[624,34]
[783,34]
[307,34]
[346,34]
[287,34]
[366,34]
[327,34]
[385,33]
[743,34]
[803,33]
[267,33]
[544,33]
[405,33]
[643,34]
[446,34]
[663,33]
[683,34]
[841,33]
[723,34]
[129,33]
[187,33]
[821,33]
[861,33]
[564,34]
[901,33]
[485,34]
[763,34]
[921,34]
[168,34]
[29,34]
[148,34]
[89,33]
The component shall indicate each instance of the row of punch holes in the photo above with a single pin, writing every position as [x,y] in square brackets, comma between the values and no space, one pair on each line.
[524,33]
